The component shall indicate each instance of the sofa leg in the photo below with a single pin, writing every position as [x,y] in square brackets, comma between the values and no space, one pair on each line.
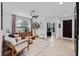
[28,47]
[13,51]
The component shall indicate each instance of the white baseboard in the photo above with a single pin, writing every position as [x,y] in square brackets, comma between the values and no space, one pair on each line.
[67,38]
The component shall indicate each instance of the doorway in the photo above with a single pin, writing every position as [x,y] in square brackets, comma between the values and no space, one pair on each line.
[67,28]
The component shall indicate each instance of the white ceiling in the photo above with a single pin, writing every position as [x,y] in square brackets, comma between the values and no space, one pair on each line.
[42,8]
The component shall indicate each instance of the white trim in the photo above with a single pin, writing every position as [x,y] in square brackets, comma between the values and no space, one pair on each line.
[67,38]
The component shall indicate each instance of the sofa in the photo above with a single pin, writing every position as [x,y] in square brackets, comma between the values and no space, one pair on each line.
[15,44]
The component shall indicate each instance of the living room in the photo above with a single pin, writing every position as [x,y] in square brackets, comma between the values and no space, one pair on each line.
[42,24]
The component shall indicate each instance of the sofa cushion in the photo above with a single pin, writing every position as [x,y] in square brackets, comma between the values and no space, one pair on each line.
[12,40]
[20,47]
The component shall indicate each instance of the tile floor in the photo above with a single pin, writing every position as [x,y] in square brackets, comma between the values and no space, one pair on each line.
[50,47]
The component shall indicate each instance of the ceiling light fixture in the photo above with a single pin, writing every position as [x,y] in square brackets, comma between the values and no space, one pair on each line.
[60,3]
[66,15]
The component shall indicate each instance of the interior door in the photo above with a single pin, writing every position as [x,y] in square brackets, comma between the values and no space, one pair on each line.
[67,28]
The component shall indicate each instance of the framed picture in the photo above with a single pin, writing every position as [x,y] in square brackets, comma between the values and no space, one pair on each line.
[59,25]
[53,27]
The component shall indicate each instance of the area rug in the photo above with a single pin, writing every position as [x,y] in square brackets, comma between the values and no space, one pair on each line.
[37,47]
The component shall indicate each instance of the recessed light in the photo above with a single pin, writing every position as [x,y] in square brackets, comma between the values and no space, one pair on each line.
[66,15]
[60,3]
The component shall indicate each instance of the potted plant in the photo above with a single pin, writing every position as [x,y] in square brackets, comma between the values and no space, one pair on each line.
[35,26]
